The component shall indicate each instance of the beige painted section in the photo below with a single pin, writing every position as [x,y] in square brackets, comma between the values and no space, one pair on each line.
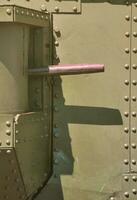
[89,117]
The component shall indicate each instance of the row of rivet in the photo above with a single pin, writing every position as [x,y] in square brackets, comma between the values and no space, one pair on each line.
[133,114]
[133,106]
[27,13]
[128,178]
[127,98]
[8,133]
[56,9]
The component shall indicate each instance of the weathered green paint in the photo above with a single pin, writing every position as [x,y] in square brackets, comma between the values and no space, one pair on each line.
[93,117]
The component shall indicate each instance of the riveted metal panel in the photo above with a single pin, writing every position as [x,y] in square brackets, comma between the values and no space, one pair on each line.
[11,183]
[32,148]
[134,89]
[91,112]
[6,131]
[129,186]
[65,6]
[23,15]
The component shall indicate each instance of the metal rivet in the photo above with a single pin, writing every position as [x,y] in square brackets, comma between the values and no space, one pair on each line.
[127,17]
[126,146]
[43,7]
[134,50]
[134,130]
[8,132]
[8,123]
[135,19]
[17,131]
[134,162]
[126,178]
[126,114]
[126,82]
[134,66]
[134,98]
[8,11]
[134,191]
[8,142]
[56,9]
[126,50]
[112,198]
[126,130]
[133,145]
[127,34]
[126,162]
[75,9]
[126,194]
[126,98]
[22,12]
[135,34]
[126,66]
[134,178]
[136,4]
[8,151]
[134,114]
[56,43]
[134,82]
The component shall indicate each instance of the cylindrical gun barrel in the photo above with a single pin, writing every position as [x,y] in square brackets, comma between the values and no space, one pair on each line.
[67,69]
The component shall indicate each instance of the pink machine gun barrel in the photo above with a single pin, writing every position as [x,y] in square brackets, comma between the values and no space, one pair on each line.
[67,69]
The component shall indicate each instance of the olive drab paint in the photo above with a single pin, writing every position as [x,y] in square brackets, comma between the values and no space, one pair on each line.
[68,137]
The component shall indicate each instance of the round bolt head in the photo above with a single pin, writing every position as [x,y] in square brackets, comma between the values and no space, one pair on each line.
[126,114]
[8,151]
[126,98]
[8,132]
[126,130]
[126,194]
[126,66]
[112,198]
[134,114]
[126,82]
[56,43]
[134,50]
[126,178]
[134,162]
[133,145]
[134,130]
[135,19]
[126,162]
[56,9]
[134,66]
[8,123]
[127,34]
[135,34]
[134,82]
[126,50]
[134,98]
[126,146]
[134,191]
[43,7]
[75,9]
[127,17]
[8,142]
[134,178]
[8,11]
